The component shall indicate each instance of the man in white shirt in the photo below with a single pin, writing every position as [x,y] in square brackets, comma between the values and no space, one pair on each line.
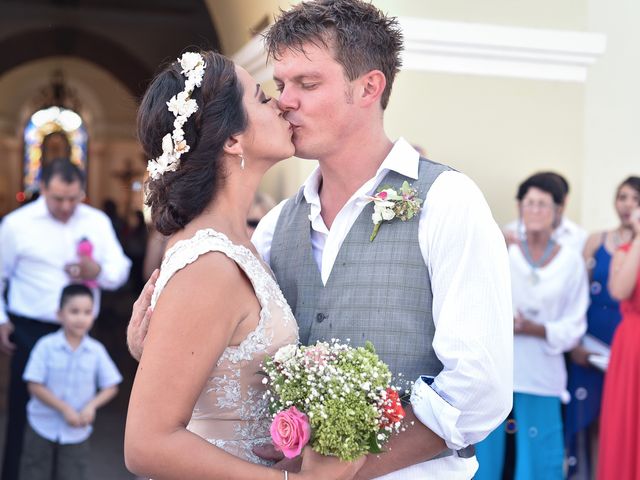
[566,233]
[334,64]
[39,257]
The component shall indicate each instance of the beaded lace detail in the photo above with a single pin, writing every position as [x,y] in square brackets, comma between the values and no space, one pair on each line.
[232,411]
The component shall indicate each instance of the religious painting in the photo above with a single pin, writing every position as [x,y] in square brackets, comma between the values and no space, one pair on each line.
[52,133]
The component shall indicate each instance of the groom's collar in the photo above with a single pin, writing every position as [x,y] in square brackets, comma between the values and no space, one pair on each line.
[402,158]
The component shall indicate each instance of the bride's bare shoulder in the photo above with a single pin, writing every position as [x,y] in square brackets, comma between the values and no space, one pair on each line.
[211,289]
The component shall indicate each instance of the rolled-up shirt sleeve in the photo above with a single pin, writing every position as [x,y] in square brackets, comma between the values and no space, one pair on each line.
[108,374]
[565,333]
[114,264]
[36,369]
[467,260]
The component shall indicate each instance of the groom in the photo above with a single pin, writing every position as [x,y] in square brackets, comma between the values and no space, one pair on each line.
[432,293]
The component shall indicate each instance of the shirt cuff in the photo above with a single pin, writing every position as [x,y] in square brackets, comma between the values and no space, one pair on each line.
[434,412]
[111,382]
[555,339]
[108,279]
[32,377]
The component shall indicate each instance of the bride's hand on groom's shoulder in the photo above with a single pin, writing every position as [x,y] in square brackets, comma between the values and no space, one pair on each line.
[140,317]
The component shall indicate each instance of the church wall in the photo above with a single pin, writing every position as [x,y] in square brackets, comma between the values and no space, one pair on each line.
[495,130]
[550,14]
[115,159]
[10,172]
[235,20]
[612,118]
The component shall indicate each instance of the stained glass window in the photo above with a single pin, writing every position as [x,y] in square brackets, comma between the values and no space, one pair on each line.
[43,123]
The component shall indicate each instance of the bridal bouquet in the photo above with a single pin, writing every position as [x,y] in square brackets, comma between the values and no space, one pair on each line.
[333,396]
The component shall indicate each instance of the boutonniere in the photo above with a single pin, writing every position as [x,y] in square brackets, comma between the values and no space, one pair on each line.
[389,204]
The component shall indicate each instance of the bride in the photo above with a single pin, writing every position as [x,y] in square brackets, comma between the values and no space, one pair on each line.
[197,405]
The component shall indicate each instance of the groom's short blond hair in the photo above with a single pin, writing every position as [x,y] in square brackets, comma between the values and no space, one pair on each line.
[361,37]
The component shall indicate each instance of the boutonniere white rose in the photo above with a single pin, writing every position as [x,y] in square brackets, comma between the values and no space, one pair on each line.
[389,204]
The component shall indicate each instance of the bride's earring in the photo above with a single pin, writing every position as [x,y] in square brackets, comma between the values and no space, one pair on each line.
[241,162]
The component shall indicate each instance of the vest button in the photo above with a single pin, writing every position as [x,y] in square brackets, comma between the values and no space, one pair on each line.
[320,317]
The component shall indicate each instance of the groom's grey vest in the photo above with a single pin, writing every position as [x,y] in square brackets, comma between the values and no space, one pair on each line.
[378,290]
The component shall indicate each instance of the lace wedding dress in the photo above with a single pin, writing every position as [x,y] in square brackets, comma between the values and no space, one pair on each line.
[231,411]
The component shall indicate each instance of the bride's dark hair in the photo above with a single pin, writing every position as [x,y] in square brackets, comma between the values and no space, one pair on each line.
[177,197]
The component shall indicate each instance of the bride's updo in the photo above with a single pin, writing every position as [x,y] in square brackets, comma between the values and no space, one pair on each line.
[176,197]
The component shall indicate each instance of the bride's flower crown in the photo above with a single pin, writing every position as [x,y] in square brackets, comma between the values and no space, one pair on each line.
[182,106]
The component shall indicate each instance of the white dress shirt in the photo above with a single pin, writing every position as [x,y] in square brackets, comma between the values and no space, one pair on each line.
[35,247]
[465,254]
[567,234]
[559,300]
[73,376]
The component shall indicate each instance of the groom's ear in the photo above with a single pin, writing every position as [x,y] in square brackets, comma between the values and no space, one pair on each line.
[232,145]
[372,85]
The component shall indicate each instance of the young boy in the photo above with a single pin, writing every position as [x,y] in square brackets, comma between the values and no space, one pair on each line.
[64,373]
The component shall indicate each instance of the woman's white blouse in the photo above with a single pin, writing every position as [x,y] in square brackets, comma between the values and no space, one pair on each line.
[558,300]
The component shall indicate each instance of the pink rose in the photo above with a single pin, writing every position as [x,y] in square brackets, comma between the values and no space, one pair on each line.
[290,431]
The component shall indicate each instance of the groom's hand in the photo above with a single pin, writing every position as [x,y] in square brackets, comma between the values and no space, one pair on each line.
[267,451]
[291,465]
[140,317]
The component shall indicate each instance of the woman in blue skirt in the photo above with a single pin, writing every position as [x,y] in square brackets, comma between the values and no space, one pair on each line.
[550,300]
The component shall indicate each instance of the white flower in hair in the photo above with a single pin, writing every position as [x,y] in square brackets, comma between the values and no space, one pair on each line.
[167,162]
[182,147]
[178,135]
[182,106]
[190,84]
[197,74]
[190,60]
[179,122]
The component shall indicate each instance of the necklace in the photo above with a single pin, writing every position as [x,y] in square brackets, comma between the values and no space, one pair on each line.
[618,237]
[534,277]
